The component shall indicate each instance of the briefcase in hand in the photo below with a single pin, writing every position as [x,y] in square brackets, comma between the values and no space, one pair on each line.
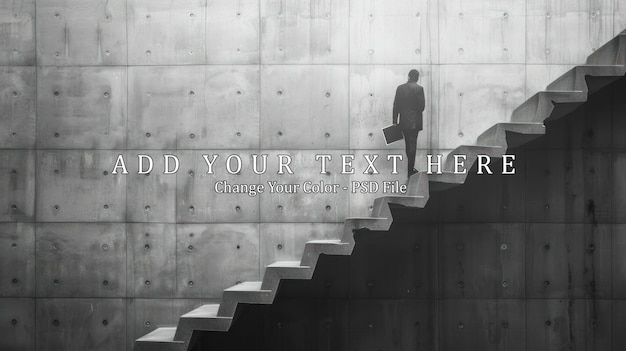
[392,133]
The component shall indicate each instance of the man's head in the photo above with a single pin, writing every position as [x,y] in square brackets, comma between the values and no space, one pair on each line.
[414,75]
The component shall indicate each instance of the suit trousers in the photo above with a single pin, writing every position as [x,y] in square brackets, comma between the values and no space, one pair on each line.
[410,142]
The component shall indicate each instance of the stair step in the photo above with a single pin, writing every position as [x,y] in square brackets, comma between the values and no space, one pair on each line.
[164,334]
[611,53]
[351,224]
[285,264]
[314,248]
[246,292]
[381,204]
[246,286]
[280,270]
[574,79]
[160,339]
[204,311]
[204,318]
[540,106]
[496,135]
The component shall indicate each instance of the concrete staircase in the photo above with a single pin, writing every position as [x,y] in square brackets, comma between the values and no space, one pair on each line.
[565,94]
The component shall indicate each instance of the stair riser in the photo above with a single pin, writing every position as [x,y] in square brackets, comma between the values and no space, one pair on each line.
[575,78]
[312,252]
[273,276]
[612,53]
[186,326]
[497,136]
[381,205]
[158,346]
[230,299]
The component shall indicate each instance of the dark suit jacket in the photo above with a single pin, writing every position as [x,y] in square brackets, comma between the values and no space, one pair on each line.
[409,104]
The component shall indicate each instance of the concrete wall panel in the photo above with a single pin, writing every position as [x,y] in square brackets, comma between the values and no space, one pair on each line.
[17,185]
[316,325]
[473,98]
[618,243]
[309,31]
[510,257]
[544,178]
[79,186]
[618,122]
[213,257]
[485,31]
[323,206]
[62,324]
[197,200]
[565,186]
[285,241]
[161,104]
[372,91]
[17,260]
[305,107]
[232,32]
[421,273]
[568,324]
[375,260]
[212,107]
[469,267]
[87,260]
[413,323]
[166,32]
[79,32]
[18,324]
[81,107]
[232,103]
[17,41]
[619,187]
[619,16]
[619,322]
[482,325]
[488,198]
[17,107]
[399,34]
[151,260]
[412,256]
[548,22]
[150,198]
[583,251]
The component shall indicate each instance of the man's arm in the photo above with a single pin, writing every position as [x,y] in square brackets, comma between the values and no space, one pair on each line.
[421,101]
[396,111]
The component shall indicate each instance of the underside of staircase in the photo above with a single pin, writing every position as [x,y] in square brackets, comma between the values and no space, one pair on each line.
[564,95]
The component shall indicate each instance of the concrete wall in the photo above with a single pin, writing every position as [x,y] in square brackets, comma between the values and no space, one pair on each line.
[86,80]
[531,261]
